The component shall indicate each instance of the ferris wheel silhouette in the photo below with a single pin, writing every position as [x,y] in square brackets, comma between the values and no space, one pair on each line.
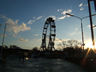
[50,22]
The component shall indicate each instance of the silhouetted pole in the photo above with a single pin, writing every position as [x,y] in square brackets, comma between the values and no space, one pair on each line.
[81,27]
[3,42]
[4,35]
[82,35]
[91,24]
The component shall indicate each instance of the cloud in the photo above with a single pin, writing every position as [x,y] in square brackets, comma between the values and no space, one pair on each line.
[58,40]
[34,20]
[22,27]
[63,17]
[13,26]
[81,4]
[66,11]
[38,18]
[81,9]
[23,40]
[31,21]
[59,10]
[64,14]
[11,22]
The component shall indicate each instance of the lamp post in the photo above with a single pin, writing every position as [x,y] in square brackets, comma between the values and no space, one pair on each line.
[3,42]
[4,35]
[80,18]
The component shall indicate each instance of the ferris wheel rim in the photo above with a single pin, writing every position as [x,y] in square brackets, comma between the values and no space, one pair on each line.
[52,33]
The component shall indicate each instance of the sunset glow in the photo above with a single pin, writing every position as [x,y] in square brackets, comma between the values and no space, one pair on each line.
[89,45]
[25,21]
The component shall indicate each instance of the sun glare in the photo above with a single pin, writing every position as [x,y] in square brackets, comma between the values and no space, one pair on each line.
[89,45]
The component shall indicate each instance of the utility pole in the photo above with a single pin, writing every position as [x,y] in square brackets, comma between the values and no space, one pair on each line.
[91,24]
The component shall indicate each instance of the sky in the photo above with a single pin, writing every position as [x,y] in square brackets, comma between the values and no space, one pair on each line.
[25,20]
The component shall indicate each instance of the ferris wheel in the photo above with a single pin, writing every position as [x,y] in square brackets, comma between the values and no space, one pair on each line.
[50,22]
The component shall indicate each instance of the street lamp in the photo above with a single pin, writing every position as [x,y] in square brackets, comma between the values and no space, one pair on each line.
[80,18]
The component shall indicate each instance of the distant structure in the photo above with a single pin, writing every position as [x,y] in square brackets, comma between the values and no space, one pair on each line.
[52,33]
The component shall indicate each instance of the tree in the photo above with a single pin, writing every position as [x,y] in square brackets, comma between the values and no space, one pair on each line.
[70,43]
[35,49]
[73,43]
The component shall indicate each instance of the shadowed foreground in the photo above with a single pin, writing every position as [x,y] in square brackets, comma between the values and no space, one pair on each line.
[39,65]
